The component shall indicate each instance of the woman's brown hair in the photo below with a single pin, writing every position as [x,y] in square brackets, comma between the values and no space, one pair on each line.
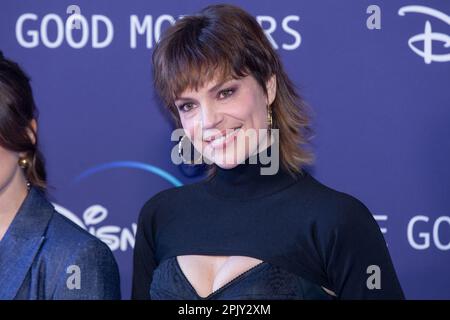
[17,111]
[225,41]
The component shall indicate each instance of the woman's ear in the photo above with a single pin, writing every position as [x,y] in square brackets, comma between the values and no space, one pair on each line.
[32,130]
[271,87]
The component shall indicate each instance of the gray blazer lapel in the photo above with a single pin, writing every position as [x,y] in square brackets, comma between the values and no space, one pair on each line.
[22,242]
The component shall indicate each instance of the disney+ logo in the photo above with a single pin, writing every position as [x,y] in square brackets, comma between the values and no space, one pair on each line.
[428,36]
[94,217]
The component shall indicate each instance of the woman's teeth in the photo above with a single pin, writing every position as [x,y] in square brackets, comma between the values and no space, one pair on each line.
[222,139]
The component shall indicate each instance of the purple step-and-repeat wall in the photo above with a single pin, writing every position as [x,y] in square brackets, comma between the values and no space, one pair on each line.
[376,74]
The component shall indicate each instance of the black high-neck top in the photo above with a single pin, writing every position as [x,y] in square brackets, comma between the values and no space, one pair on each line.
[308,235]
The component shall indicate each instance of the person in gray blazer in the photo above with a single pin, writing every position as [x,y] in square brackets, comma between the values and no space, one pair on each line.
[43,255]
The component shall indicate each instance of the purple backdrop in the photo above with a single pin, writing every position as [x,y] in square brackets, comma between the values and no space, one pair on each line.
[377,79]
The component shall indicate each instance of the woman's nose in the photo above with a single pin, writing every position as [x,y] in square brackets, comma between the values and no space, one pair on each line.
[210,117]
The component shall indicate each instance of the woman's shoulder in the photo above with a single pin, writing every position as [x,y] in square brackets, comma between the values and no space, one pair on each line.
[168,198]
[335,208]
[65,240]
[69,249]
[39,217]
[67,232]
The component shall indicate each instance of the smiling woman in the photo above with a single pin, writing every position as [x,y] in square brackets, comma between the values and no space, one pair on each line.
[240,233]
[217,71]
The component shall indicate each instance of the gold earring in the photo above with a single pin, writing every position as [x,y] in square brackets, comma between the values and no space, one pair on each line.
[23,163]
[180,152]
[269,117]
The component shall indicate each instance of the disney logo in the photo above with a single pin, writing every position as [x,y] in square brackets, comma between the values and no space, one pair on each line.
[428,36]
[115,237]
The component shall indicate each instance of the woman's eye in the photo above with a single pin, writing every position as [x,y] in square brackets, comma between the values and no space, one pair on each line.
[185,107]
[225,93]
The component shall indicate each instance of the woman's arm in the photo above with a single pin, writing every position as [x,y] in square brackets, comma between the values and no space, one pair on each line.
[143,257]
[359,265]
[91,273]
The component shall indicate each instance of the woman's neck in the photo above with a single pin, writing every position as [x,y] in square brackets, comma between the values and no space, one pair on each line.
[12,196]
[247,180]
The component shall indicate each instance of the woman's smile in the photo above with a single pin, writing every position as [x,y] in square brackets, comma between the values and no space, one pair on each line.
[221,140]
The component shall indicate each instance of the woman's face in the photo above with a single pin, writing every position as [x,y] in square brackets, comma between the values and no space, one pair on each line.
[227,122]
[9,167]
